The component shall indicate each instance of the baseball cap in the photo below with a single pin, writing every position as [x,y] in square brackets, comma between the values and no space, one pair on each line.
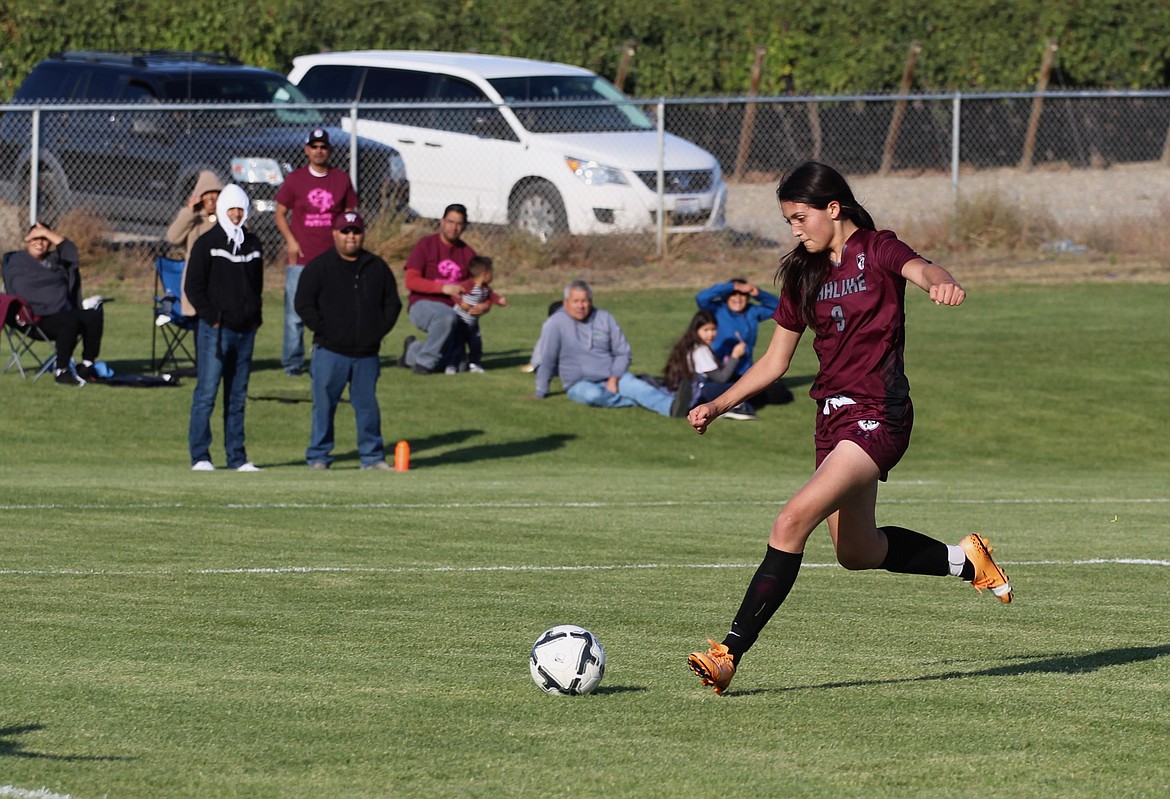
[349,219]
[317,135]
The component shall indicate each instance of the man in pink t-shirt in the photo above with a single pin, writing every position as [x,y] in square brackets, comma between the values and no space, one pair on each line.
[434,269]
[306,203]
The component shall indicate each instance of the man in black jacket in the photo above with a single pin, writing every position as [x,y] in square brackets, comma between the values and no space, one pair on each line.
[225,278]
[349,299]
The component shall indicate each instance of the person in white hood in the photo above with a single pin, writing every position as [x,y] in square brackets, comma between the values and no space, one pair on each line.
[225,281]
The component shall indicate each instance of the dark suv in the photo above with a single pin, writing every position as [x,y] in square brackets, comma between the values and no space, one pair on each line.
[136,166]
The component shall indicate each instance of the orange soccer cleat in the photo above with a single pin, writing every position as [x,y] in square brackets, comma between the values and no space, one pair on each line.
[715,666]
[987,574]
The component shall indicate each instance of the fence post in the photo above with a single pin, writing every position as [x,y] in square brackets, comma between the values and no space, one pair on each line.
[1037,106]
[1166,149]
[624,67]
[899,109]
[749,114]
[353,149]
[34,168]
[956,153]
[661,216]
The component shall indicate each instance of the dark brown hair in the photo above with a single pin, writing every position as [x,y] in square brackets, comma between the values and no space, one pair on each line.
[801,272]
[678,369]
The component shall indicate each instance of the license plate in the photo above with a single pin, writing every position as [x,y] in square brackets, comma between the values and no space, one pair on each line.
[686,205]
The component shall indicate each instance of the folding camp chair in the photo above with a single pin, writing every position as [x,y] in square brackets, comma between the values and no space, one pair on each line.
[25,337]
[169,321]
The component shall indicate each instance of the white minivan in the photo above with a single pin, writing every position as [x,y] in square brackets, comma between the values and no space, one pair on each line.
[542,146]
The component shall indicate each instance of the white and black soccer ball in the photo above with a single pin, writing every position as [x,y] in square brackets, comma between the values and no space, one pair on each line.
[567,661]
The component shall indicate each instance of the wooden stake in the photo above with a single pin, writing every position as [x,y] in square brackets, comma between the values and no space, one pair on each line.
[624,67]
[1037,106]
[899,108]
[749,114]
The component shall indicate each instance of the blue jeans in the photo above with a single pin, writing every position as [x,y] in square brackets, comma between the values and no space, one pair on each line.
[464,346]
[292,355]
[436,320]
[631,391]
[330,372]
[225,355]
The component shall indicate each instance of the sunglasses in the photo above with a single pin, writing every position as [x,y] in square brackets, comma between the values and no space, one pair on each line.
[350,231]
[320,147]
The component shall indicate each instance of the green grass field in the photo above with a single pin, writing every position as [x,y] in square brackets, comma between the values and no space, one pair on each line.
[348,634]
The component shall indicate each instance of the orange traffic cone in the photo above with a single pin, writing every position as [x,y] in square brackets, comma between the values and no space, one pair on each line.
[402,456]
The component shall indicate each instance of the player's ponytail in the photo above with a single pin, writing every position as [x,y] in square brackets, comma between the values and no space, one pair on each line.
[801,272]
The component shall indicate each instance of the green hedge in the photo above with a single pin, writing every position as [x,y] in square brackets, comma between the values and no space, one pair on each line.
[684,47]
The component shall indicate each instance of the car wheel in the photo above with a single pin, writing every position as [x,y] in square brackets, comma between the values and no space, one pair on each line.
[537,209]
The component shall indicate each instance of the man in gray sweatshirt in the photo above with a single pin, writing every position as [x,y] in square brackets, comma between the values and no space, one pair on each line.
[586,348]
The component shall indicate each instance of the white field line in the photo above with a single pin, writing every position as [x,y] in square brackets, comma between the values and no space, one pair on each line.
[20,793]
[505,568]
[685,503]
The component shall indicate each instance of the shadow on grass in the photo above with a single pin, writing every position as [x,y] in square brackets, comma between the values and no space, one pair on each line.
[1048,664]
[488,452]
[12,748]
[620,689]
[470,454]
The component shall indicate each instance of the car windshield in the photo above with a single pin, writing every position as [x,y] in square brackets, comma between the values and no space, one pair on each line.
[197,88]
[575,104]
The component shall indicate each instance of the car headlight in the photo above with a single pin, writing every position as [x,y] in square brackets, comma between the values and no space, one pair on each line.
[592,173]
[257,170]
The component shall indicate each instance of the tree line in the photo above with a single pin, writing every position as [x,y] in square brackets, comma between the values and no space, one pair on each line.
[678,48]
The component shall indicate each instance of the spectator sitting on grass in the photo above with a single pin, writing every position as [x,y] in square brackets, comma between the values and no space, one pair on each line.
[585,346]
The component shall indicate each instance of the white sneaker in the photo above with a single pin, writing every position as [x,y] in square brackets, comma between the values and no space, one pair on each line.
[203,466]
[475,367]
[162,320]
[450,370]
[249,467]
[742,412]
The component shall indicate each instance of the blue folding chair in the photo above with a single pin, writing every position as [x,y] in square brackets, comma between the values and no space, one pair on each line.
[169,323]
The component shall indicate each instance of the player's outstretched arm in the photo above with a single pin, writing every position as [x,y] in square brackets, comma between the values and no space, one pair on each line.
[763,373]
[935,281]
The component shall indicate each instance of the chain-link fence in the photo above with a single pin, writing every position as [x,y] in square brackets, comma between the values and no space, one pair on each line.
[642,167]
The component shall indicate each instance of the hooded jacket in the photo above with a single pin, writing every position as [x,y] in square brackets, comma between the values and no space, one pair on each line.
[225,274]
[190,223]
[735,327]
[349,305]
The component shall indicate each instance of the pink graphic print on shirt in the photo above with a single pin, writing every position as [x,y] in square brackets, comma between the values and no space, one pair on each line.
[450,271]
[322,200]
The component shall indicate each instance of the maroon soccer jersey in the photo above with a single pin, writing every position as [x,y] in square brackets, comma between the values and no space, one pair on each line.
[314,201]
[861,312]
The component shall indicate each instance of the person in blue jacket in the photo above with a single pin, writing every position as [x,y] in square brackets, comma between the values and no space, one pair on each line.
[737,317]
[739,306]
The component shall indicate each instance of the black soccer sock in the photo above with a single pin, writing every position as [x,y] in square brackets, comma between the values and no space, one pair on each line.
[914,553]
[765,593]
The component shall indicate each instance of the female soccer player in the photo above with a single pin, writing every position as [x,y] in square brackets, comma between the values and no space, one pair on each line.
[847,282]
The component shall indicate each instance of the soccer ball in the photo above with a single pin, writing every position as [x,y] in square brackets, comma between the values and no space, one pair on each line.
[567,661]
